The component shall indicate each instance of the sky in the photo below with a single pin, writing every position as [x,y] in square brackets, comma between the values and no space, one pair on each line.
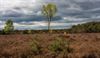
[26,14]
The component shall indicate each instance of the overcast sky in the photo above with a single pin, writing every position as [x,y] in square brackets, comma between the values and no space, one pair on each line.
[26,14]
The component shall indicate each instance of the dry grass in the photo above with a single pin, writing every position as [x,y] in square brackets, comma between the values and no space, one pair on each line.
[85,45]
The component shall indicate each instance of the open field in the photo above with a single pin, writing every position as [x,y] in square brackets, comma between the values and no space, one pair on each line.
[84,45]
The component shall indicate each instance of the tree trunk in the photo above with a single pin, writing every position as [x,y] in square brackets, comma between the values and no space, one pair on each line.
[49,25]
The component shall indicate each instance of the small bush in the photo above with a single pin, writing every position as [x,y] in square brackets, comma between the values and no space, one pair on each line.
[56,46]
[35,47]
[29,31]
[24,32]
[60,45]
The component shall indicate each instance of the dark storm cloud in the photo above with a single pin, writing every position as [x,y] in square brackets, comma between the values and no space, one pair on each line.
[74,8]
[68,11]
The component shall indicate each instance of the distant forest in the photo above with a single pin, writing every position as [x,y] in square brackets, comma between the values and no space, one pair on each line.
[87,27]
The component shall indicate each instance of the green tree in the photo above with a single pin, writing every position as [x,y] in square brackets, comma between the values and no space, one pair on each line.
[8,26]
[49,11]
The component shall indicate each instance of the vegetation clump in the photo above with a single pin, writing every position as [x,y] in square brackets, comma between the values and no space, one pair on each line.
[35,47]
[8,27]
[59,45]
[87,27]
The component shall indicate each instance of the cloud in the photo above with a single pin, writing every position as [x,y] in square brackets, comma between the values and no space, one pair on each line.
[42,25]
[25,12]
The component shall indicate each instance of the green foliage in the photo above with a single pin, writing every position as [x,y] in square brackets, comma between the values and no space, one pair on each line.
[8,26]
[60,45]
[87,27]
[56,46]
[49,11]
[29,31]
[35,47]
[25,32]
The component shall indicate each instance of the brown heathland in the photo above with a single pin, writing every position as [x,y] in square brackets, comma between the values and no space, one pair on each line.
[85,45]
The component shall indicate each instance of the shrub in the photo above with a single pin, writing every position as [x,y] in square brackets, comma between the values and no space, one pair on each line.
[29,31]
[60,45]
[24,32]
[56,46]
[8,26]
[35,47]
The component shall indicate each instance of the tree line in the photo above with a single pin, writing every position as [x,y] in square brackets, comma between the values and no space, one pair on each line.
[89,27]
